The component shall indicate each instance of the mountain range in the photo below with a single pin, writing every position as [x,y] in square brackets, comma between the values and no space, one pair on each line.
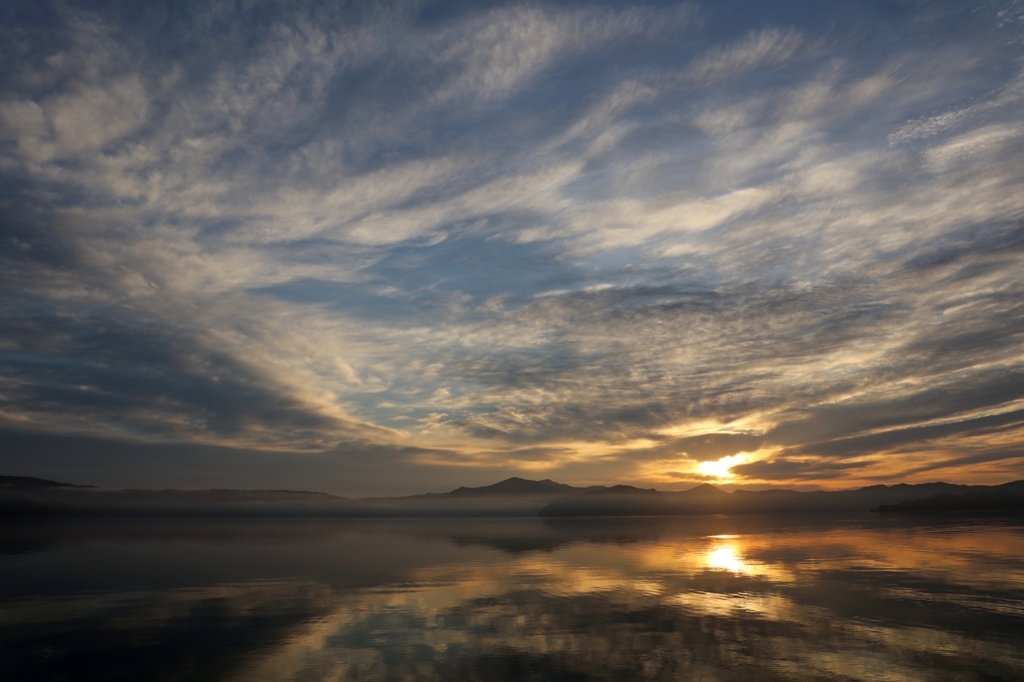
[26,496]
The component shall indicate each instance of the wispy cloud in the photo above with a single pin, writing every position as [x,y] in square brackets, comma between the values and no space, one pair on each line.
[762,49]
[587,241]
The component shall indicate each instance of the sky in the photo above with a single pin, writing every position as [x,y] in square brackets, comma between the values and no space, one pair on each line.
[396,247]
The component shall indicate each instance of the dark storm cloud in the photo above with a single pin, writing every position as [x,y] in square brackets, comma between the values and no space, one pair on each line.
[425,240]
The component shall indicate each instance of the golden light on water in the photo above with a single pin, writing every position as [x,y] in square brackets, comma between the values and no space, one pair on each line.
[478,605]
[725,558]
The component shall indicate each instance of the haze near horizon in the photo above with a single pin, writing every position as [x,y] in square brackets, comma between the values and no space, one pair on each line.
[401,247]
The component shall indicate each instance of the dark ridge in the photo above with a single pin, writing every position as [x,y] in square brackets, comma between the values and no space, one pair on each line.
[30,483]
[27,496]
[275,491]
[974,501]
[621,489]
[618,500]
[510,486]
[705,489]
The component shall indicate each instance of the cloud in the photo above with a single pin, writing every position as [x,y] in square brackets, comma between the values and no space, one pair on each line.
[588,241]
[888,440]
[969,146]
[788,469]
[356,468]
[497,53]
[765,48]
[101,102]
[930,126]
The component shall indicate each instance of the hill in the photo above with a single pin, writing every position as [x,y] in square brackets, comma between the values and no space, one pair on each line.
[618,500]
[999,500]
[30,483]
[510,487]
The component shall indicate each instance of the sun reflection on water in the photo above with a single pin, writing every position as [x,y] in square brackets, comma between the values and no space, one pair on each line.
[697,604]
[724,558]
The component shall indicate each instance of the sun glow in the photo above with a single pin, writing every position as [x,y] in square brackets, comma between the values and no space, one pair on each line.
[725,559]
[720,468]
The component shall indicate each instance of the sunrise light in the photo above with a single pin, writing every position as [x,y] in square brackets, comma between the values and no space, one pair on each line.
[720,468]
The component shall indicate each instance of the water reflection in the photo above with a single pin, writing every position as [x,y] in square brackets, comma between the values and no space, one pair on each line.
[725,558]
[711,599]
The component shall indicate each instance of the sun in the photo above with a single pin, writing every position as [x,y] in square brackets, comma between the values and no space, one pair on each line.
[721,468]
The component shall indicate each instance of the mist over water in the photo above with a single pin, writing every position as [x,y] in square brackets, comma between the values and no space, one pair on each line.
[853,597]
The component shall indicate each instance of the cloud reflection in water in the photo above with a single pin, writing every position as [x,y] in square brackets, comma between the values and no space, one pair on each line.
[712,599]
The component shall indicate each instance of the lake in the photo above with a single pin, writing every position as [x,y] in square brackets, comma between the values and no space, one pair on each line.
[857,597]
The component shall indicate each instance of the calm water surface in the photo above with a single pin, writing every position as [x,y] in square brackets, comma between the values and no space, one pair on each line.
[769,598]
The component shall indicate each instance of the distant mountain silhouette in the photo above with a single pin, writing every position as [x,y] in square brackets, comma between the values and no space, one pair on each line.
[621,489]
[707,499]
[991,500]
[26,496]
[510,486]
[67,500]
[512,497]
[618,500]
[705,489]
[30,483]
